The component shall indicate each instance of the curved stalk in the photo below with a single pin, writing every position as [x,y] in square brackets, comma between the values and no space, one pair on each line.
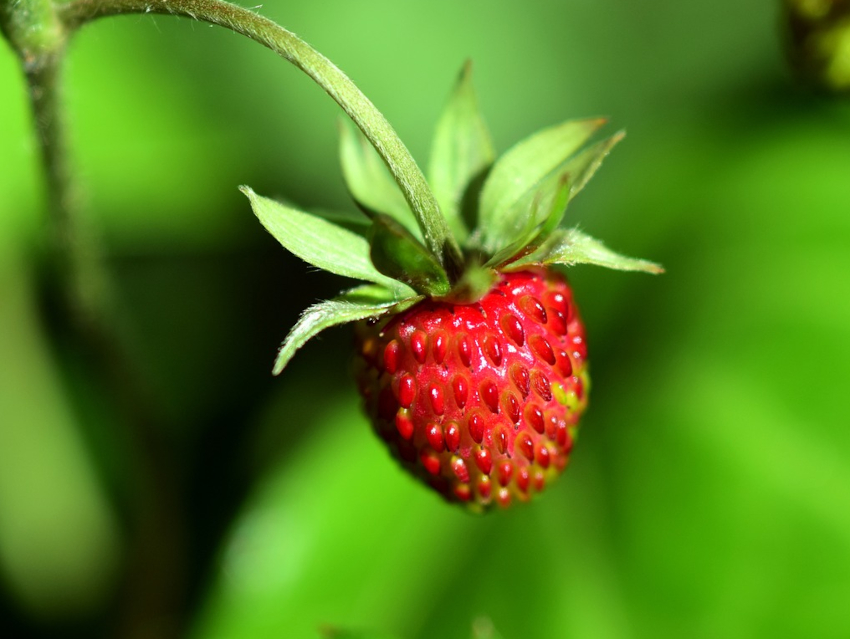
[327,75]
[39,38]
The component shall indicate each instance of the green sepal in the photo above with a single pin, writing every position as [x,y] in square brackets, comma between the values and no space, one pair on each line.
[571,246]
[553,194]
[375,293]
[550,198]
[322,243]
[361,303]
[399,255]
[580,169]
[369,181]
[317,241]
[509,190]
[548,206]
[475,283]
[462,150]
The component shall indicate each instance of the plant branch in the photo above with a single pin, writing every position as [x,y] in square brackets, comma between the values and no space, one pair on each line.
[76,280]
[289,46]
[73,248]
[38,36]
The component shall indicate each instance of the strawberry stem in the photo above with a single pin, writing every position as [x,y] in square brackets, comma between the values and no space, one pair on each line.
[359,108]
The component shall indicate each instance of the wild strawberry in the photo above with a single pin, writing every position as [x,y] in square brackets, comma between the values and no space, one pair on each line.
[471,356]
[481,400]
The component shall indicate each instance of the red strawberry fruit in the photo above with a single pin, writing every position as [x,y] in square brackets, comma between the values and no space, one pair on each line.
[480,400]
[471,355]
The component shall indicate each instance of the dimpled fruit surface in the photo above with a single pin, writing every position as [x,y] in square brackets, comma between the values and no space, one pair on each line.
[481,401]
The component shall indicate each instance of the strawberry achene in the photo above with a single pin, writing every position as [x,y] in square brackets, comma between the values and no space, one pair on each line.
[481,401]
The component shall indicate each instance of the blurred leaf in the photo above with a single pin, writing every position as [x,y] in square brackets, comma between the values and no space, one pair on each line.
[316,241]
[347,633]
[357,304]
[483,628]
[474,284]
[296,560]
[397,254]
[60,542]
[462,149]
[510,187]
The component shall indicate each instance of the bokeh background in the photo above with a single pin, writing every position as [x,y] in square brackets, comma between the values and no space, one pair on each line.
[709,495]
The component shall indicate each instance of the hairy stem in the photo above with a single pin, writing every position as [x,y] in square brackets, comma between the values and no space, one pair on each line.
[72,244]
[78,282]
[289,46]
[38,36]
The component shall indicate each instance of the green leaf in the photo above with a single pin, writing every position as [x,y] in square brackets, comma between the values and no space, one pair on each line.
[461,151]
[571,246]
[509,190]
[399,255]
[357,304]
[317,241]
[369,181]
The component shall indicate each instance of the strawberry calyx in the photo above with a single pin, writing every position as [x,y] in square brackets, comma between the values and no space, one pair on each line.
[450,238]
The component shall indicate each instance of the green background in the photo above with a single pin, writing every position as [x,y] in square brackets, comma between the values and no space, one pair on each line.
[709,495]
